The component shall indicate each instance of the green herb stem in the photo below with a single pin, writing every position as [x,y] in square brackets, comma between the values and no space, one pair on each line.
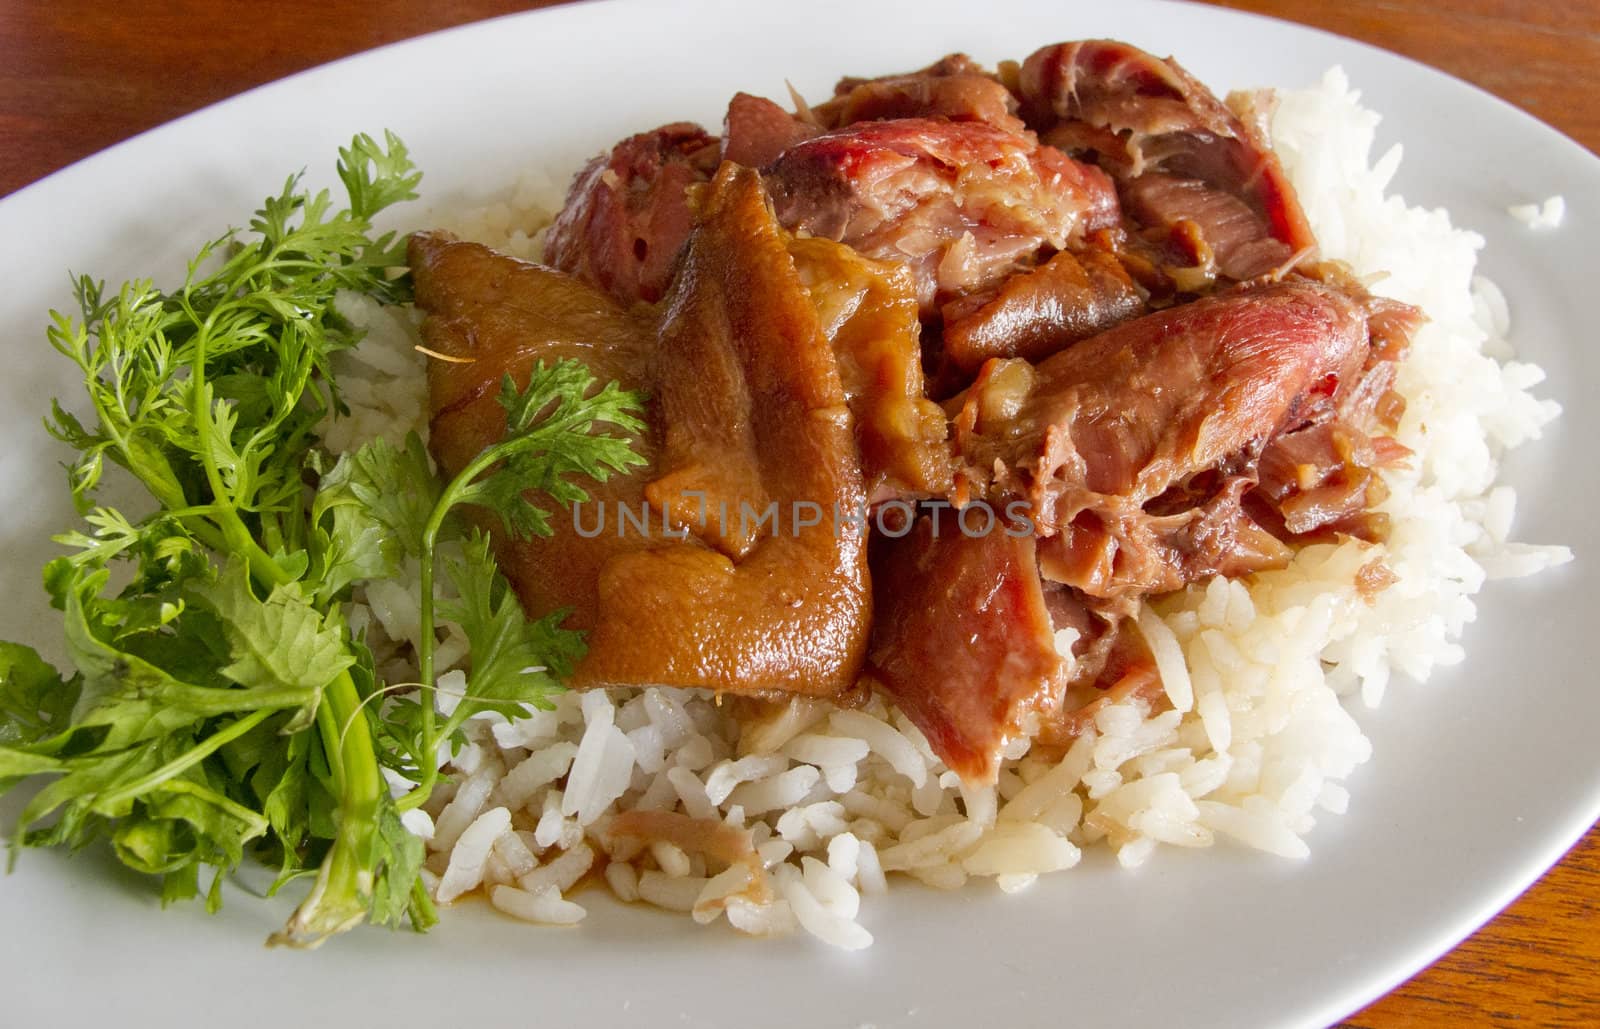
[189,759]
[341,897]
[428,748]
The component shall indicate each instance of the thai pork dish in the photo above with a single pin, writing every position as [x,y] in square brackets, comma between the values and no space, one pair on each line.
[932,480]
[1082,296]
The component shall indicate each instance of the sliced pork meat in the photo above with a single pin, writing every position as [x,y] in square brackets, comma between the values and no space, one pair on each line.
[1033,314]
[756,130]
[1236,237]
[963,204]
[868,310]
[1115,550]
[729,573]
[1135,409]
[1136,114]
[1373,405]
[491,316]
[955,88]
[1116,87]
[627,214]
[778,293]
[963,642]
[1324,478]
[753,418]
[1135,446]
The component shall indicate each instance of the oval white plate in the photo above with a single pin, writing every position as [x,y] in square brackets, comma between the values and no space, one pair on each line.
[1481,778]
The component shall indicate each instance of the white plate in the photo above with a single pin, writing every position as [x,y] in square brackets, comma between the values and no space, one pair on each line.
[1481,778]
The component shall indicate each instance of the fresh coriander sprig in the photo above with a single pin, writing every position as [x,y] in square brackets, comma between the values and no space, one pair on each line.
[218,700]
[214,699]
[553,436]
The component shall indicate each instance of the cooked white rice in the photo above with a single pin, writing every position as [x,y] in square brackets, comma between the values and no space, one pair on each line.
[1261,675]
[1546,215]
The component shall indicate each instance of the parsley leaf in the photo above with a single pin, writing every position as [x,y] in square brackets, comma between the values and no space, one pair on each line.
[557,427]
[276,643]
[548,442]
[517,662]
[217,703]
[211,704]
[370,511]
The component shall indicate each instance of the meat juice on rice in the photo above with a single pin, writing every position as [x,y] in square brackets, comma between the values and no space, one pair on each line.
[1251,741]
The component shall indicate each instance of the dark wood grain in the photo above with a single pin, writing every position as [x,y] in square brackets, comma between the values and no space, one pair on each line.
[79,75]
[1541,56]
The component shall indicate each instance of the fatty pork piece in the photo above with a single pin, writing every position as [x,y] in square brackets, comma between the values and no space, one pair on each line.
[962,204]
[756,130]
[752,413]
[1135,448]
[1009,676]
[963,640]
[627,214]
[868,311]
[956,88]
[748,413]
[1177,153]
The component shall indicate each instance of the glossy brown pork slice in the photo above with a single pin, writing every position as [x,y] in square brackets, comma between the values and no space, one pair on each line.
[1135,447]
[1137,114]
[1033,314]
[963,641]
[962,204]
[627,214]
[748,409]
[752,414]
[493,316]
[956,88]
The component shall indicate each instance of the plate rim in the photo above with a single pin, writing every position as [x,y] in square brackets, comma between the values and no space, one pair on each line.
[1338,1004]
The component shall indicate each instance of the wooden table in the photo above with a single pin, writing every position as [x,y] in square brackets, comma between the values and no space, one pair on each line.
[79,75]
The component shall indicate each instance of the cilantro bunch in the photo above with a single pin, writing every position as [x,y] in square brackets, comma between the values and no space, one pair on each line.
[217,705]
